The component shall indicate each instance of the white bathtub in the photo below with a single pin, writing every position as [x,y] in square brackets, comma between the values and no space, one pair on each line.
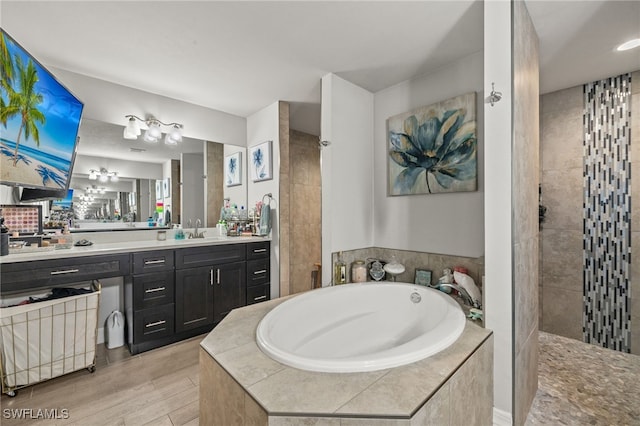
[360,327]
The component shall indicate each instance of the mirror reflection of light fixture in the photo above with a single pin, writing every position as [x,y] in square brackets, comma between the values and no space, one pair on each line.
[154,130]
[103,175]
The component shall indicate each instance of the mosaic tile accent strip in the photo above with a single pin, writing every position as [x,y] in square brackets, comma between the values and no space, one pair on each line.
[607,213]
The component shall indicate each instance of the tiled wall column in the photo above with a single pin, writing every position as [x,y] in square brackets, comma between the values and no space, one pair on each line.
[306,225]
[607,212]
[635,213]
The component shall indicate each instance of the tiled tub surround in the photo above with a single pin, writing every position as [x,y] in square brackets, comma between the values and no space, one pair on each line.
[413,260]
[241,385]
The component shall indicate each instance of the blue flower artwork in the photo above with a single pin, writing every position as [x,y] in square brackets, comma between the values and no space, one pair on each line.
[433,149]
[260,158]
[233,169]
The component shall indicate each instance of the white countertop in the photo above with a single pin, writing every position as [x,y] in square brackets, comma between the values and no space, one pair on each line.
[124,242]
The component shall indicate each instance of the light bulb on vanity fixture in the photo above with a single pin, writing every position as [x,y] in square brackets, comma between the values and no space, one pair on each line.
[154,130]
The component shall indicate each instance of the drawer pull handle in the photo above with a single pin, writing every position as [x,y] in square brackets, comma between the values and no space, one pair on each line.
[262,271]
[66,271]
[211,277]
[153,262]
[153,290]
[153,324]
[262,250]
[217,276]
[255,299]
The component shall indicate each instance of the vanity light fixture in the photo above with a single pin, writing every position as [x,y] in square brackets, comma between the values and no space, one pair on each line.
[631,44]
[154,130]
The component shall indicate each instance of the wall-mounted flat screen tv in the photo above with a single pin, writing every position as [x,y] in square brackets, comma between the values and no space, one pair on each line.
[64,203]
[32,194]
[39,121]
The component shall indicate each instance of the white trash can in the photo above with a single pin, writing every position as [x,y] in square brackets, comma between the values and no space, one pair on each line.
[115,330]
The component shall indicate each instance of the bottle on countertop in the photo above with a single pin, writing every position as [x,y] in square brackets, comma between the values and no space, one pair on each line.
[340,271]
[4,244]
[358,271]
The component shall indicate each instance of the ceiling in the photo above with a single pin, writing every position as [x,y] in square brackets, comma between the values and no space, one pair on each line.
[239,57]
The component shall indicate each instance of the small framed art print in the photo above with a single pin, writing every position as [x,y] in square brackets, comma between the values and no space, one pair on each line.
[423,277]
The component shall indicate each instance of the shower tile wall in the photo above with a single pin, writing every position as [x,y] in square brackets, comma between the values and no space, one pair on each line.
[306,234]
[561,151]
[561,138]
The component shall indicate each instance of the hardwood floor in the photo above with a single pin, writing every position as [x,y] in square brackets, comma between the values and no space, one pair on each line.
[158,387]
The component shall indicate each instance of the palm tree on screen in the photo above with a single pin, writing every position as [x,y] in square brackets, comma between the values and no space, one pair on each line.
[24,102]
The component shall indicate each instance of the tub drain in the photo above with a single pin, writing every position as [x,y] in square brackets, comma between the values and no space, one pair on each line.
[415,297]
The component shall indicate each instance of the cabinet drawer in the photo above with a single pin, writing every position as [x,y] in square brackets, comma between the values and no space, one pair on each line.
[152,261]
[258,250]
[258,272]
[154,323]
[21,276]
[209,255]
[151,290]
[258,294]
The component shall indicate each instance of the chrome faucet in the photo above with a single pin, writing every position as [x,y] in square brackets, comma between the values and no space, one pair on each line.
[464,294]
[197,234]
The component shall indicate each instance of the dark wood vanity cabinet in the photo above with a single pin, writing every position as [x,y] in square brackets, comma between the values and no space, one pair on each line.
[169,294]
[258,272]
[205,294]
[150,299]
[44,274]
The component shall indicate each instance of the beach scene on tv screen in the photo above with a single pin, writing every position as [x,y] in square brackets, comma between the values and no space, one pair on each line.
[39,121]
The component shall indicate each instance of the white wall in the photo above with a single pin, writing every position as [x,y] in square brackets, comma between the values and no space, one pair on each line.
[449,223]
[347,169]
[110,102]
[497,216]
[264,126]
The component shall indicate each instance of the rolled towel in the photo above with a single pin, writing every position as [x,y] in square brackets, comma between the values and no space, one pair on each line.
[466,282]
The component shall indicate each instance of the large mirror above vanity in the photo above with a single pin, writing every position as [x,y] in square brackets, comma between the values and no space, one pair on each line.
[132,184]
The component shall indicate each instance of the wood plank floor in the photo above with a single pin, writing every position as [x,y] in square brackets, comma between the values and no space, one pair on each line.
[158,387]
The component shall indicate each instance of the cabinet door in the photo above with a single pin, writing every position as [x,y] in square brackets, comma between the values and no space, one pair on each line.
[194,297]
[229,289]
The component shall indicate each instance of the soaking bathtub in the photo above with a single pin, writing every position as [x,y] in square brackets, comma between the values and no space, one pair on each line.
[360,327]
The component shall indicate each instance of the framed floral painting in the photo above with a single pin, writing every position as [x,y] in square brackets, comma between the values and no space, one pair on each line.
[260,162]
[233,169]
[433,149]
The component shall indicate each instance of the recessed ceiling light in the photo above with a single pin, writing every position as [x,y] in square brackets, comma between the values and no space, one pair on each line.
[629,44]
